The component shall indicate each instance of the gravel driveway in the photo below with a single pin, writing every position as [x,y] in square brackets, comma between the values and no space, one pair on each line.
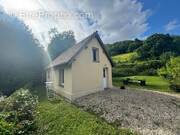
[148,113]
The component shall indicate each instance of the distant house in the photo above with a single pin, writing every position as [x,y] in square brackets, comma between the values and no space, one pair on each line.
[83,69]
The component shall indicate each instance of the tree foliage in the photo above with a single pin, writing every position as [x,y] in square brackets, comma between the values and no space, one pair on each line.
[151,48]
[21,57]
[17,114]
[176,41]
[173,69]
[60,42]
[172,72]
[124,46]
[154,55]
[156,45]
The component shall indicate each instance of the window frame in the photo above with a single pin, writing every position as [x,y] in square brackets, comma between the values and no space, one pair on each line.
[104,73]
[95,54]
[48,75]
[61,77]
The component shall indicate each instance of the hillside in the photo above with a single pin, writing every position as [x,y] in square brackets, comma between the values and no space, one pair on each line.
[150,59]
[126,57]
[151,48]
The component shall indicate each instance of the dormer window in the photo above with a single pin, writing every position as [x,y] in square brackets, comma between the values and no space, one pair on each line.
[95,54]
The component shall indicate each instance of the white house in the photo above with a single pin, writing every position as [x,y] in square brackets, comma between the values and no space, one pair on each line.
[83,69]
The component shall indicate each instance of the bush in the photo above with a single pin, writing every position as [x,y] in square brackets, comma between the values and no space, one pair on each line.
[126,81]
[137,68]
[172,72]
[120,72]
[166,56]
[162,72]
[142,82]
[20,109]
[175,87]
[149,72]
[122,87]
[6,128]
[148,67]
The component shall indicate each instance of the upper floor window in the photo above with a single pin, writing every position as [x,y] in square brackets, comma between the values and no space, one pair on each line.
[61,77]
[95,52]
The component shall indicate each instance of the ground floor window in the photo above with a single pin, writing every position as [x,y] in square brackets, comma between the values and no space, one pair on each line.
[61,77]
[48,75]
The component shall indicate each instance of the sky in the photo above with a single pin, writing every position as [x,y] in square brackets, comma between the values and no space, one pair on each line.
[164,18]
[115,20]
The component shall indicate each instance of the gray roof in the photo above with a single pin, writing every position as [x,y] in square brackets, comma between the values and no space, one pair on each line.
[67,56]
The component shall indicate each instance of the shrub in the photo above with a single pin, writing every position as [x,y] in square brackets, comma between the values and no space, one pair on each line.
[162,72]
[20,109]
[137,68]
[117,72]
[122,87]
[142,82]
[126,81]
[175,87]
[166,56]
[150,67]
[150,72]
[173,69]
[6,128]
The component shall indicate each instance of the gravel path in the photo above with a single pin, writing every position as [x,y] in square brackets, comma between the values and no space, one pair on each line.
[148,113]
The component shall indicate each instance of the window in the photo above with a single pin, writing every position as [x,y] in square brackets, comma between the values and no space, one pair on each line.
[104,72]
[61,77]
[95,52]
[48,75]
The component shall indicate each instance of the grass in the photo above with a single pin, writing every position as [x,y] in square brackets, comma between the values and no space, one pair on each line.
[63,118]
[152,82]
[124,57]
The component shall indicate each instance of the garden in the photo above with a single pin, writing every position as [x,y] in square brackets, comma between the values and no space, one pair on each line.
[23,113]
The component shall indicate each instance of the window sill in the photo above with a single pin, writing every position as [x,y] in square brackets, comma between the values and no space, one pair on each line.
[61,85]
[96,61]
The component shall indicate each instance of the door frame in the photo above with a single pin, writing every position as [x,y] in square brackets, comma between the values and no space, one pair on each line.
[105,77]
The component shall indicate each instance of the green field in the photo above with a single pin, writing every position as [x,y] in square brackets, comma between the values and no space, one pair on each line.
[152,82]
[124,57]
[62,118]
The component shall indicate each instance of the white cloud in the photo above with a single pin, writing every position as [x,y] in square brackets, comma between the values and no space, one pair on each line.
[172,25]
[115,19]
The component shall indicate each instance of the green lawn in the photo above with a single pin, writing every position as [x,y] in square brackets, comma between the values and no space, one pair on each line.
[63,118]
[124,57]
[153,82]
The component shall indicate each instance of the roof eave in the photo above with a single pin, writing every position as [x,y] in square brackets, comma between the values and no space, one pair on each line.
[54,66]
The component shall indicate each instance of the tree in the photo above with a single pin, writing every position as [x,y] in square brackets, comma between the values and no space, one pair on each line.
[134,45]
[21,56]
[124,46]
[172,72]
[176,41]
[165,57]
[156,45]
[60,42]
[173,69]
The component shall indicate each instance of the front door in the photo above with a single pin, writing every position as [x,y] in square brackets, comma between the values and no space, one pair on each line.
[105,78]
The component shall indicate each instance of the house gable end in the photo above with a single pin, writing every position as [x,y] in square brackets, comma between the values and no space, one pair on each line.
[100,43]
